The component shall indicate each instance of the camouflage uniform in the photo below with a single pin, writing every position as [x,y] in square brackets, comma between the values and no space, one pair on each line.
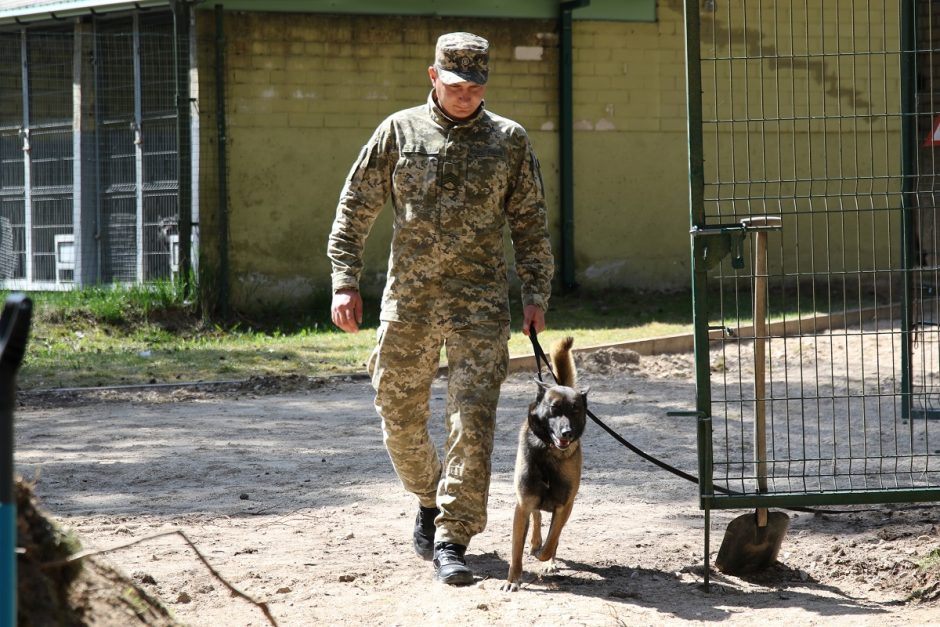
[454,187]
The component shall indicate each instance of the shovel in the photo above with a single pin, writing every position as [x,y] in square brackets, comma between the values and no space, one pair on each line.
[752,541]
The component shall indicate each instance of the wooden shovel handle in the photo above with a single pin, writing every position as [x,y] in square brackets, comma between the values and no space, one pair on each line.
[760,339]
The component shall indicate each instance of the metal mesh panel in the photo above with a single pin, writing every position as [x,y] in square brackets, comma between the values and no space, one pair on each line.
[12,190]
[119,137]
[116,78]
[160,153]
[804,119]
[49,59]
[139,145]
[926,279]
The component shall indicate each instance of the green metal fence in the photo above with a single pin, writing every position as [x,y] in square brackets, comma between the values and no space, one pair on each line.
[821,114]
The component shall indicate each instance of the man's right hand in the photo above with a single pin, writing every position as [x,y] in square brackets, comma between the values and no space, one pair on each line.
[346,310]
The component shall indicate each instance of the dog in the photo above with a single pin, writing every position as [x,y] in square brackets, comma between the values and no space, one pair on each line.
[548,463]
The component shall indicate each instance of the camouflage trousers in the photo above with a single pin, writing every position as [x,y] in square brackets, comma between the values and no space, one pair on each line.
[403,366]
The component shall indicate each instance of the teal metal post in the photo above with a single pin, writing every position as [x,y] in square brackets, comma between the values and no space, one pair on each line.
[693,78]
[566,143]
[14,329]
[908,188]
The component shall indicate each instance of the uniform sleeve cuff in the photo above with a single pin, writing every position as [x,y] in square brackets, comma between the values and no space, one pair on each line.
[345,283]
[535,299]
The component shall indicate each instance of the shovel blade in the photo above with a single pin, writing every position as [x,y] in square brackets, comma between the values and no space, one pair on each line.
[749,548]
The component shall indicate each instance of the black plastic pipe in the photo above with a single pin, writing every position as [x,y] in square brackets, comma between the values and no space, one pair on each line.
[566,142]
[223,282]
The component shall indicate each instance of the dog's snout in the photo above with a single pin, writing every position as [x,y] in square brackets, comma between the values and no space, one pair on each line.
[567,432]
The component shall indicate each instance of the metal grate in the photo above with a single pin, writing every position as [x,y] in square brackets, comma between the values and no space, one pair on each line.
[138,150]
[813,112]
[89,153]
[12,191]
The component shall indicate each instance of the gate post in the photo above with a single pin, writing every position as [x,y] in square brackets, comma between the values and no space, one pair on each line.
[693,76]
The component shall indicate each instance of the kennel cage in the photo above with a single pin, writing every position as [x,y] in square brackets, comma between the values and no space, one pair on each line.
[95,150]
[813,124]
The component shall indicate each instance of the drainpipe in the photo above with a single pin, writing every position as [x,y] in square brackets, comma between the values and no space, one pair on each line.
[908,200]
[566,144]
[222,164]
[184,144]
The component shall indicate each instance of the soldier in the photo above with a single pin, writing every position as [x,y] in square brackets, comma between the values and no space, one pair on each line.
[457,175]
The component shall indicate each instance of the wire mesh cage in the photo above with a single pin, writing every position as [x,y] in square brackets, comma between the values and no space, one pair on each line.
[89,151]
[825,341]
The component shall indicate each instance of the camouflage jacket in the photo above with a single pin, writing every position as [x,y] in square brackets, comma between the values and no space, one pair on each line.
[454,187]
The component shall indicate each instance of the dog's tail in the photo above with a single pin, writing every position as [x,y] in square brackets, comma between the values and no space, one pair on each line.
[563,362]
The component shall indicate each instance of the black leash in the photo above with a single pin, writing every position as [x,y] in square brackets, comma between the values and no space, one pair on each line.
[541,357]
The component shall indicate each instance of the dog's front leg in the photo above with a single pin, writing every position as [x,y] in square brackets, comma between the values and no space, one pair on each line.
[520,523]
[559,518]
[535,541]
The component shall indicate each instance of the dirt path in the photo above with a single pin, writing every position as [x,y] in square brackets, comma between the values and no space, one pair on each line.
[290,495]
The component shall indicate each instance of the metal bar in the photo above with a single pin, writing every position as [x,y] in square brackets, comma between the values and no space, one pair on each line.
[693,71]
[77,161]
[138,150]
[834,497]
[184,145]
[98,155]
[27,162]
[706,582]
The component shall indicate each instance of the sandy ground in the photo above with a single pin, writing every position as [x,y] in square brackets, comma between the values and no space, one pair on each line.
[288,492]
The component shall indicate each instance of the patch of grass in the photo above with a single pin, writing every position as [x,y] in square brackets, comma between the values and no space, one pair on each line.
[100,337]
[109,305]
[103,336]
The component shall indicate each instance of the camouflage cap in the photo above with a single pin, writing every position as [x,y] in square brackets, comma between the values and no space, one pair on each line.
[461,57]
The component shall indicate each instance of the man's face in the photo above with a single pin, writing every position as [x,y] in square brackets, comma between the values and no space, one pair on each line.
[460,100]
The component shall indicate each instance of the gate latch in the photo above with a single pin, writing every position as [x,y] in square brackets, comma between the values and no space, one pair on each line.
[713,243]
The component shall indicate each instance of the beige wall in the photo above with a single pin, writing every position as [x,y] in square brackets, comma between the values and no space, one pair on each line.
[304,92]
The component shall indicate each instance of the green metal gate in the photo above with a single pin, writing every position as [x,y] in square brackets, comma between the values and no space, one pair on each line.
[811,128]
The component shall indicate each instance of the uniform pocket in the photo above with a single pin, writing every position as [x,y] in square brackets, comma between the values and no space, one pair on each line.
[486,188]
[415,182]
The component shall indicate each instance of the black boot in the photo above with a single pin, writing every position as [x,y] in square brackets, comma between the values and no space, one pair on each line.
[450,565]
[424,531]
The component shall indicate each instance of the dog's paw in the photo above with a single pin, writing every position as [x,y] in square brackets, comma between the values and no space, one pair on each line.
[549,567]
[510,586]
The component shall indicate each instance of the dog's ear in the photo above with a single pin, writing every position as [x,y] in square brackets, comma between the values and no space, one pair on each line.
[543,387]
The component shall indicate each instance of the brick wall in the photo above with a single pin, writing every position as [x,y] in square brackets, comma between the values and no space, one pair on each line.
[348,72]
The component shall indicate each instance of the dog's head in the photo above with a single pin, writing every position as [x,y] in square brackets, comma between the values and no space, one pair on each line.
[558,415]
